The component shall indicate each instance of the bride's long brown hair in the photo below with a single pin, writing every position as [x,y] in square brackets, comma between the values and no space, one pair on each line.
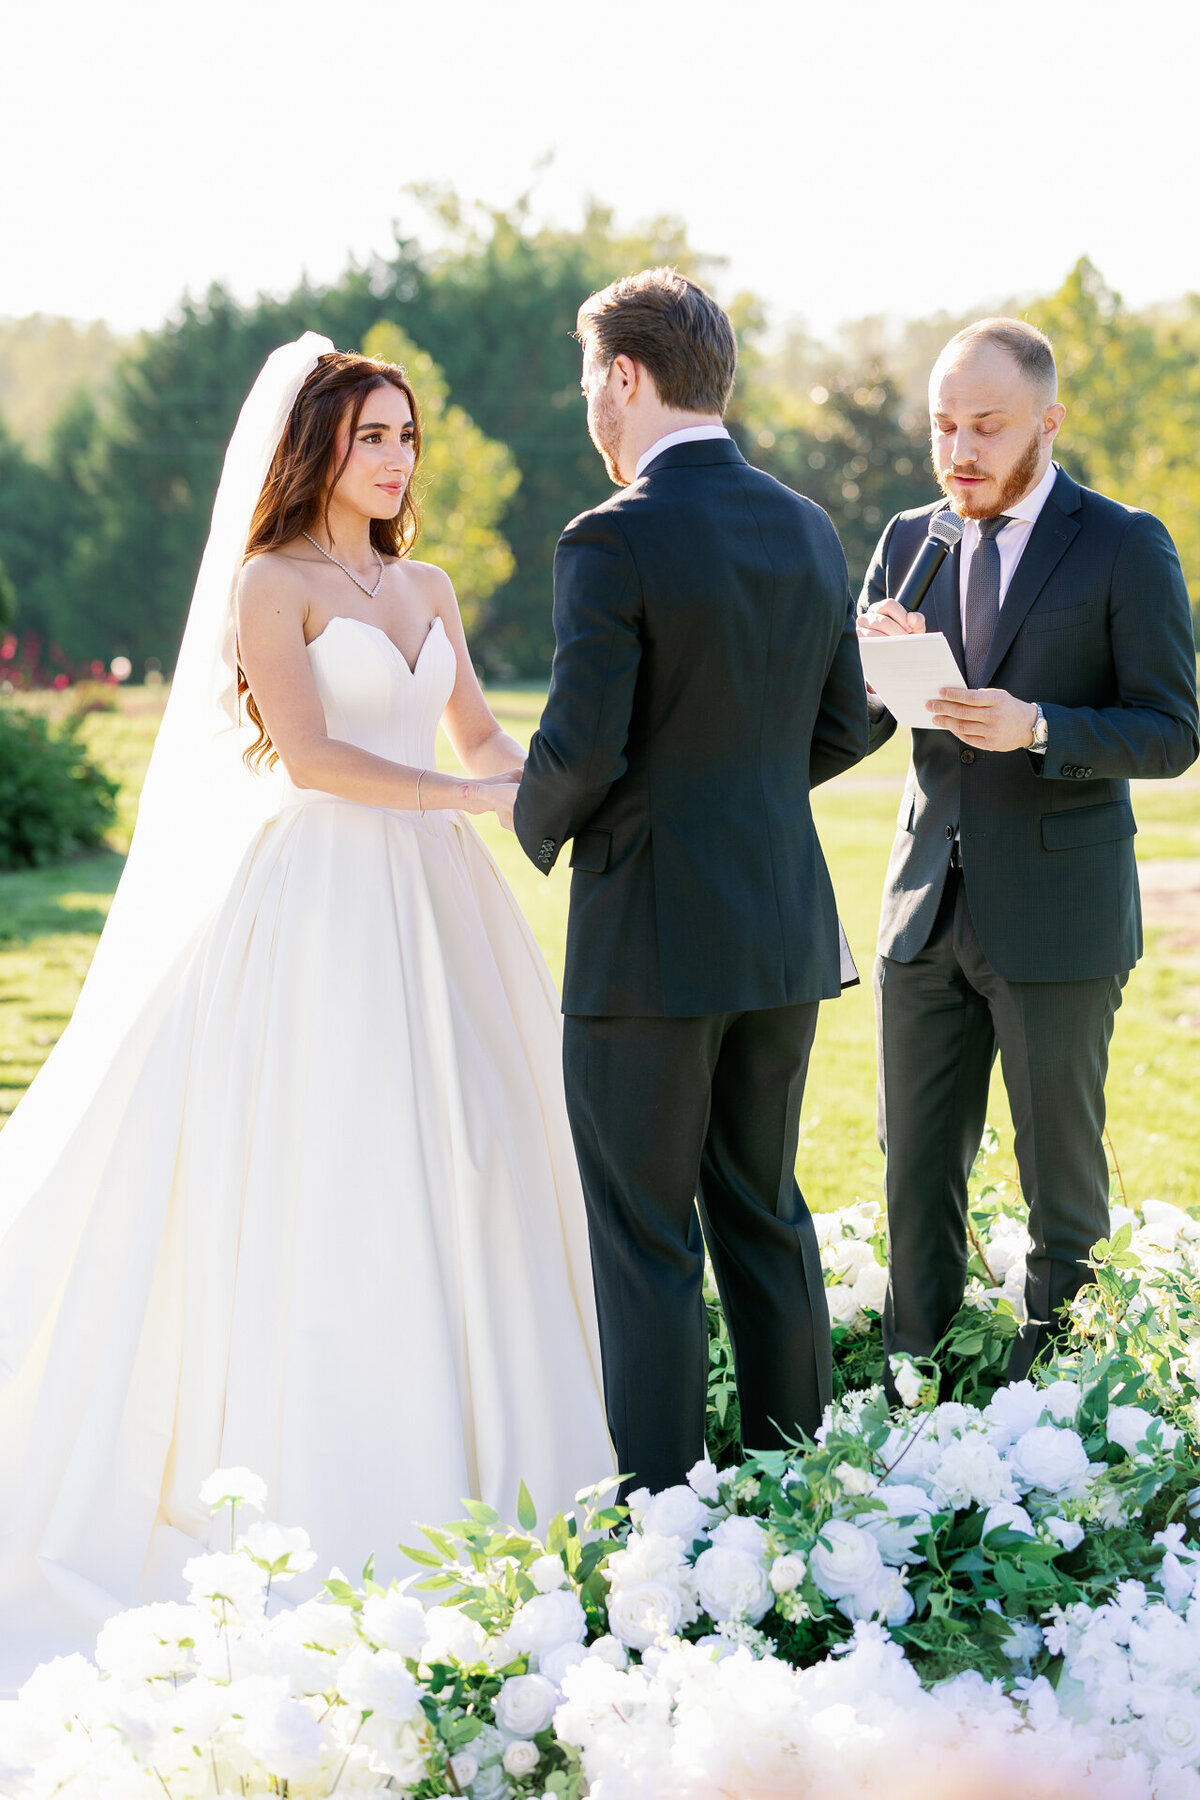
[302,478]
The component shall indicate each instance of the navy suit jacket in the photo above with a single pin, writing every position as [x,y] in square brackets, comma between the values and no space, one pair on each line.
[706,674]
[1096,627]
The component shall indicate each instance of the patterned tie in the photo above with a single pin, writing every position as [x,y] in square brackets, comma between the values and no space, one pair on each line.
[983,598]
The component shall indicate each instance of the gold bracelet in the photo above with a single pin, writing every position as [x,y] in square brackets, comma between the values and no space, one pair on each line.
[420,808]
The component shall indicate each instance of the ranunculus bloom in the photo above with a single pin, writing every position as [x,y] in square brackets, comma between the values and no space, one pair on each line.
[270,1543]
[787,1572]
[521,1758]
[746,1535]
[282,1734]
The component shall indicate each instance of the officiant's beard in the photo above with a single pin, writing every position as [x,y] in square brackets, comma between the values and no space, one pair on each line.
[604,429]
[989,504]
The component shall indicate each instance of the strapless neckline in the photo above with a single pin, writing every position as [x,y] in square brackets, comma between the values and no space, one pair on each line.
[349,619]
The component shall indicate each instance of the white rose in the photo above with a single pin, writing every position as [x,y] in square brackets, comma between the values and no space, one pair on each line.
[1069,1532]
[908,1380]
[843,1307]
[547,1573]
[647,1557]
[1050,1457]
[855,1480]
[905,1522]
[845,1560]
[238,1487]
[704,1480]
[143,1644]
[282,1734]
[322,1623]
[971,1472]
[870,1289]
[553,1664]
[547,1621]
[395,1621]
[746,1535]
[464,1767]
[1062,1401]
[1007,1516]
[452,1637]
[641,1613]
[525,1705]
[1014,1409]
[378,1681]
[787,1572]
[637,1502]
[731,1585]
[848,1257]
[1128,1426]
[269,1543]
[608,1649]
[225,1578]
[678,1513]
[521,1758]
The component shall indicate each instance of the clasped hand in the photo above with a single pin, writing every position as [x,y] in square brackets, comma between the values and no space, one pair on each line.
[493,793]
[985,718]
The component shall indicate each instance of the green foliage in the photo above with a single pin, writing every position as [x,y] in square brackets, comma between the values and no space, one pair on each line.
[464,483]
[53,801]
[8,599]
[44,361]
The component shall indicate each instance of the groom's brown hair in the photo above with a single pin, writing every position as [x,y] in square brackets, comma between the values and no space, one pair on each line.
[678,333]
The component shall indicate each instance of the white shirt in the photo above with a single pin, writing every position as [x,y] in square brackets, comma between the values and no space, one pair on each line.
[1010,540]
[687,434]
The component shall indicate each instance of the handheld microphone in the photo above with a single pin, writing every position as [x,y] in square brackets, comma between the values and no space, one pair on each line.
[945,529]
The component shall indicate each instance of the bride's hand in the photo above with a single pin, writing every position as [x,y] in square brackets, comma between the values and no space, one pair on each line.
[494,793]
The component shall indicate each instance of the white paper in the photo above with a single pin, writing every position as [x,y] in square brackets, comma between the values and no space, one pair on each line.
[849,970]
[907,671]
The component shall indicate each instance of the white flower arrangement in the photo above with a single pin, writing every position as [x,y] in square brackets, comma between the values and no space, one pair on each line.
[1009,1579]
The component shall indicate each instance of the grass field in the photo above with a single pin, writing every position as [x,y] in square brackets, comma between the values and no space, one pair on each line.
[49,921]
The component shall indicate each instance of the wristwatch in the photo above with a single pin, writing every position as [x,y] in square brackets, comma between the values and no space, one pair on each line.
[1041,732]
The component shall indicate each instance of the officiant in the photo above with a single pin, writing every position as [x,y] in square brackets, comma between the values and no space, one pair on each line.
[1010,917]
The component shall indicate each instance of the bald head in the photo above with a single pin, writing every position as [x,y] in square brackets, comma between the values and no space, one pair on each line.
[1016,339]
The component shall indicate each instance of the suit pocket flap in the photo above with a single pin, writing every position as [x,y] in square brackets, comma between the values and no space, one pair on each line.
[1088,825]
[589,851]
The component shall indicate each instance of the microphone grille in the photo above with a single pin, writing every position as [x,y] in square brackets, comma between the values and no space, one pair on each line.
[946,528]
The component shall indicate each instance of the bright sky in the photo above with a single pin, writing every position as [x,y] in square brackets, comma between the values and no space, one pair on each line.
[853,157]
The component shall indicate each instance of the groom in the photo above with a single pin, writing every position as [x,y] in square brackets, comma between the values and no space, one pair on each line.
[705,677]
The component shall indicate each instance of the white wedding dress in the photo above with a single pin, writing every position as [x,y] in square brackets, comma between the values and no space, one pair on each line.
[321,1218]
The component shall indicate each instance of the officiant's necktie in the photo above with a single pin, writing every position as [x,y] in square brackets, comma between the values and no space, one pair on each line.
[983,598]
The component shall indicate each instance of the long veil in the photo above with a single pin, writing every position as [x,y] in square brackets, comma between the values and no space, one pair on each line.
[200,808]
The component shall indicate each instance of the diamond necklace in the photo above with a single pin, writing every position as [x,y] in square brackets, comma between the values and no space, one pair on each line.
[369,592]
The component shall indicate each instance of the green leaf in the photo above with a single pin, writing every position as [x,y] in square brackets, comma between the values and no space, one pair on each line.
[526,1510]
[426,1558]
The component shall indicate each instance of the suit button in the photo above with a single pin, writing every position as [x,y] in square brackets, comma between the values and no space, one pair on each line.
[1086,773]
[949,834]
[1067,769]
[967,756]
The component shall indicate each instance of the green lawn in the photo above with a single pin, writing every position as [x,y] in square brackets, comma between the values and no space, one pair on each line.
[49,921]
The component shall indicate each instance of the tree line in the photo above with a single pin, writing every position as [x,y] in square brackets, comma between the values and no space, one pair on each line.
[104,512]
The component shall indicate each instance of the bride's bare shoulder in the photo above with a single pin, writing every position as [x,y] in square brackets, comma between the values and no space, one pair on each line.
[271,571]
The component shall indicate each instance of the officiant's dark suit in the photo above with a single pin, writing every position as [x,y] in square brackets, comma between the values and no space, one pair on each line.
[1010,916]
[705,675]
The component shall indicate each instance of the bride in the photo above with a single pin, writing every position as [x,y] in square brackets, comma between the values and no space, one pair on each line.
[296,1188]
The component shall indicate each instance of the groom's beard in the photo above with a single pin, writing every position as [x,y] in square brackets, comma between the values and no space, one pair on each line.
[990,504]
[604,428]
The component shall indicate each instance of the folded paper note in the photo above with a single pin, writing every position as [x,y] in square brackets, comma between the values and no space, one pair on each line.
[905,672]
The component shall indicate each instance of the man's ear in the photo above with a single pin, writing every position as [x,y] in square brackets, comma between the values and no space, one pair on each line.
[1052,419]
[626,378]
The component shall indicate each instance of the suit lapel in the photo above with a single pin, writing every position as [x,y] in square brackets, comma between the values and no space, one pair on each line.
[1053,530]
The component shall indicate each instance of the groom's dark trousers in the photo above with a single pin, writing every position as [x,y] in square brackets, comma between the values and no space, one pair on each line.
[705,676]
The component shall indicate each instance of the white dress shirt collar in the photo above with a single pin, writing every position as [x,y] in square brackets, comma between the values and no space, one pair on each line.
[687,434]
